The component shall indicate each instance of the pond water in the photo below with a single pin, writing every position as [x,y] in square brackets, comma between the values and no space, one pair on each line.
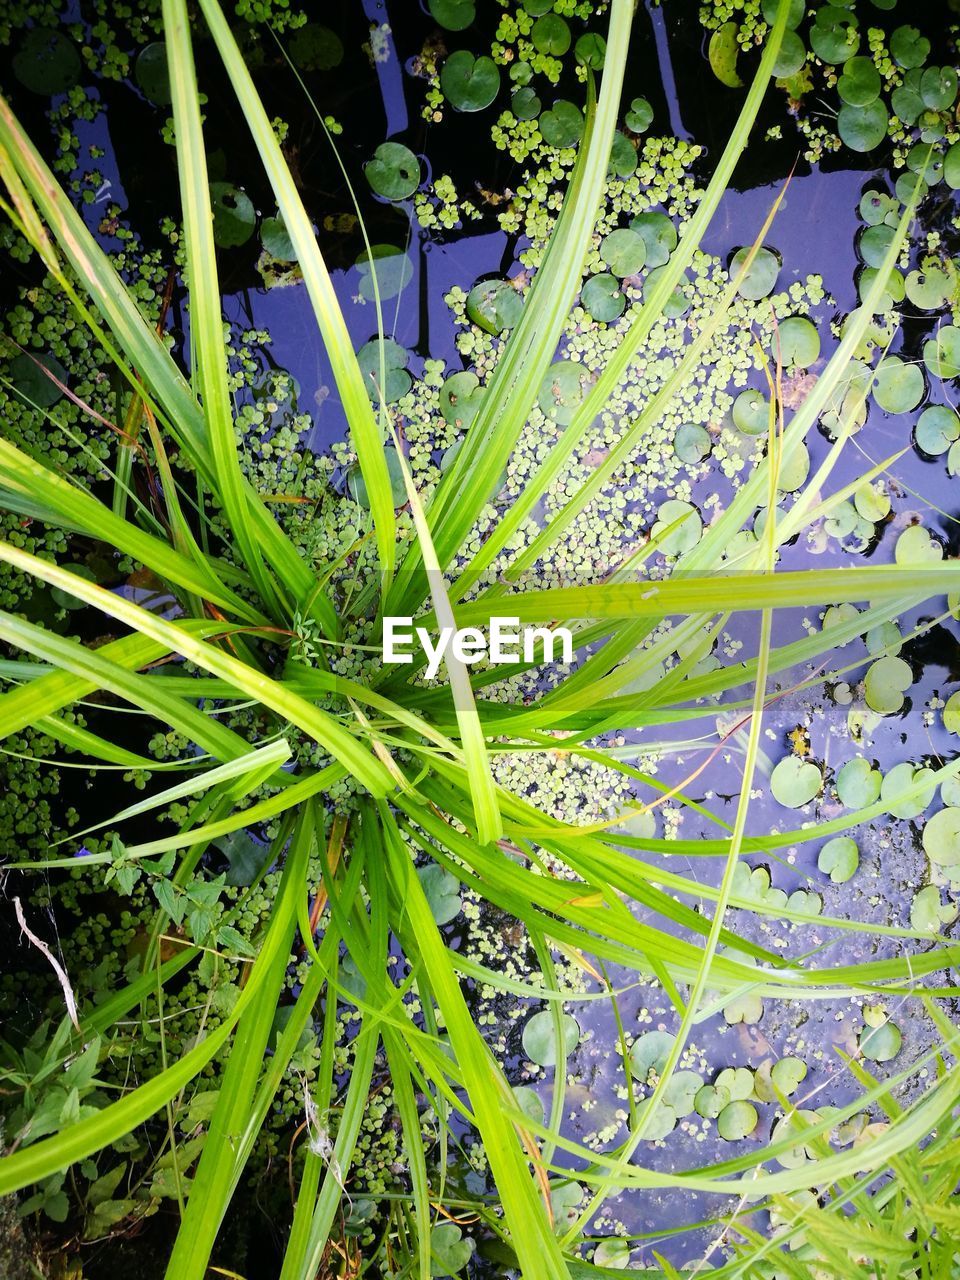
[820,719]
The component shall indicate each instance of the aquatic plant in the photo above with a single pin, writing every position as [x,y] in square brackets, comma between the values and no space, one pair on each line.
[387,794]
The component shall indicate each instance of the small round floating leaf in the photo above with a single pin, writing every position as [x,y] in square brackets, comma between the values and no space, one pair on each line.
[682,1090]
[787,1074]
[737,1120]
[602,297]
[613,1254]
[537,7]
[737,1082]
[662,1121]
[839,858]
[357,486]
[494,305]
[791,56]
[710,1101]
[908,47]
[66,600]
[442,891]
[450,1251]
[863,128]
[920,161]
[761,276]
[275,238]
[152,74]
[539,1039]
[529,1102]
[551,35]
[751,412]
[908,184]
[685,525]
[397,383]
[394,171]
[951,167]
[885,683]
[794,469]
[624,251]
[874,243]
[29,374]
[678,303]
[562,390]
[453,15]
[314,47]
[880,1044]
[860,83]
[927,913]
[521,72]
[799,342]
[649,1052]
[932,288]
[941,354]
[907,104]
[891,296]
[722,52]
[746,1008]
[951,713]
[640,116]
[834,36]
[899,386]
[658,234]
[469,83]
[234,216]
[795,782]
[936,430]
[460,398]
[393,268]
[623,156]
[938,88]
[47,61]
[900,778]
[769,9]
[562,125]
[692,443]
[871,502]
[941,838]
[525,104]
[591,50]
[877,207]
[916,546]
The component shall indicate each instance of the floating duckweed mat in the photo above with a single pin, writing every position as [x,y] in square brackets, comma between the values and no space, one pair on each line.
[634,951]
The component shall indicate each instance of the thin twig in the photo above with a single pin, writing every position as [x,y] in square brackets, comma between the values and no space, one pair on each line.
[55,963]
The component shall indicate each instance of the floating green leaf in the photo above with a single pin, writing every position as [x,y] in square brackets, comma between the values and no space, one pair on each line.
[685,523]
[525,104]
[909,47]
[562,390]
[394,171]
[539,1040]
[591,50]
[880,1044]
[859,85]
[31,373]
[649,1052]
[469,83]
[885,683]
[442,891]
[152,73]
[398,380]
[275,238]
[454,15]
[936,430]
[737,1120]
[795,782]
[562,125]
[899,779]
[899,386]
[460,398]
[711,1100]
[450,1253]
[494,305]
[736,1081]
[799,342]
[624,251]
[613,1254]
[941,838]
[551,35]
[640,116]
[723,53]
[917,546]
[791,57]
[839,858]
[932,287]
[751,412]
[863,128]
[938,88]
[951,167]
[691,443]
[234,216]
[941,354]
[927,913]
[761,275]
[601,295]
[47,61]
[314,47]
[834,36]
[357,487]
